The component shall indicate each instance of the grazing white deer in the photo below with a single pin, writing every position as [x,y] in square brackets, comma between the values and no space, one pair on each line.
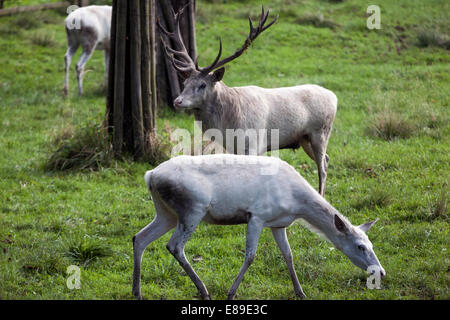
[88,27]
[303,114]
[226,189]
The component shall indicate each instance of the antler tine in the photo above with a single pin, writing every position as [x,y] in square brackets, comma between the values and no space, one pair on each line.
[179,12]
[177,64]
[180,69]
[179,53]
[164,30]
[263,17]
[212,65]
[171,53]
[253,34]
[180,50]
[273,21]
[251,27]
[196,63]
[181,63]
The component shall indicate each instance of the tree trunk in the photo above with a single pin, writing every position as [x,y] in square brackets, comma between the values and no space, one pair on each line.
[169,83]
[131,99]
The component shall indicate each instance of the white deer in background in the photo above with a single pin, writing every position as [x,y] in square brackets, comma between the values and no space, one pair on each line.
[303,114]
[88,27]
[226,189]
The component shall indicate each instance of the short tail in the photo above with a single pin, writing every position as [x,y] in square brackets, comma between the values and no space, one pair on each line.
[147,178]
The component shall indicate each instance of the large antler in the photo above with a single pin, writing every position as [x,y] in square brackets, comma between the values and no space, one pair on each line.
[180,58]
[253,34]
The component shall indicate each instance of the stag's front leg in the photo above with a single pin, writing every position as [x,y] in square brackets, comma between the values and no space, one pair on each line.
[280,237]
[254,228]
[176,246]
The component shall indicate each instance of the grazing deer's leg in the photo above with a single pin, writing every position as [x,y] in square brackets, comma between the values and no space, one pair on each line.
[319,146]
[254,228]
[67,60]
[176,246]
[163,222]
[280,237]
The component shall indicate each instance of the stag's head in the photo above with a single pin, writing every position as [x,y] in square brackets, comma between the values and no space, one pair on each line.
[355,244]
[199,82]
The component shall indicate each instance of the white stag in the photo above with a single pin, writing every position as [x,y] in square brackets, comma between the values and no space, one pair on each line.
[88,27]
[303,115]
[226,189]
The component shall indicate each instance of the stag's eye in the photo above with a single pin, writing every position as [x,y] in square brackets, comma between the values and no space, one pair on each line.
[202,86]
[362,248]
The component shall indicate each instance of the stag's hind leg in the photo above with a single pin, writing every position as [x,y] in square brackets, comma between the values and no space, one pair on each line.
[322,162]
[163,222]
[306,145]
[316,148]
[318,144]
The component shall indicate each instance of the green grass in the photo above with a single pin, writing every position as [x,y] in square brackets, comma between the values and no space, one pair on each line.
[385,82]
[84,250]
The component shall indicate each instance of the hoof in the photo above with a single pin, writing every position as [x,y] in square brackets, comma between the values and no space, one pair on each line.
[231,296]
[138,296]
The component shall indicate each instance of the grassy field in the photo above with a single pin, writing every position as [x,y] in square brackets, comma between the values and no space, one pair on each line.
[389,158]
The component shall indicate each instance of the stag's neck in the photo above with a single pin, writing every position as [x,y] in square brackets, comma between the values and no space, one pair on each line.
[222,110]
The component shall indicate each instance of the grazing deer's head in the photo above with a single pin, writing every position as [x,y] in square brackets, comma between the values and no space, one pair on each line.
[199,81]
[355,244]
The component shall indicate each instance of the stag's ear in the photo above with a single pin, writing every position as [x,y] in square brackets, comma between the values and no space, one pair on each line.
[218,74]
[340,225]
[366,226]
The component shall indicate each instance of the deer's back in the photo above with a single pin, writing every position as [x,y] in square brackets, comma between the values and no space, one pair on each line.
[92,23]
[230,193]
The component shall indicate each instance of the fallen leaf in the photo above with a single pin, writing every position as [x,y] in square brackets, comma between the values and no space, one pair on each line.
[197,258]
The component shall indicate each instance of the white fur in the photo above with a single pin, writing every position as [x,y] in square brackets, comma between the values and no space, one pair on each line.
[303,115]
[88,27]
[230,189]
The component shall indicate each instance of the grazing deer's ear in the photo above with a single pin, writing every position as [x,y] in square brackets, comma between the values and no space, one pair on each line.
[218,74]
[366,226]
[340,225]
